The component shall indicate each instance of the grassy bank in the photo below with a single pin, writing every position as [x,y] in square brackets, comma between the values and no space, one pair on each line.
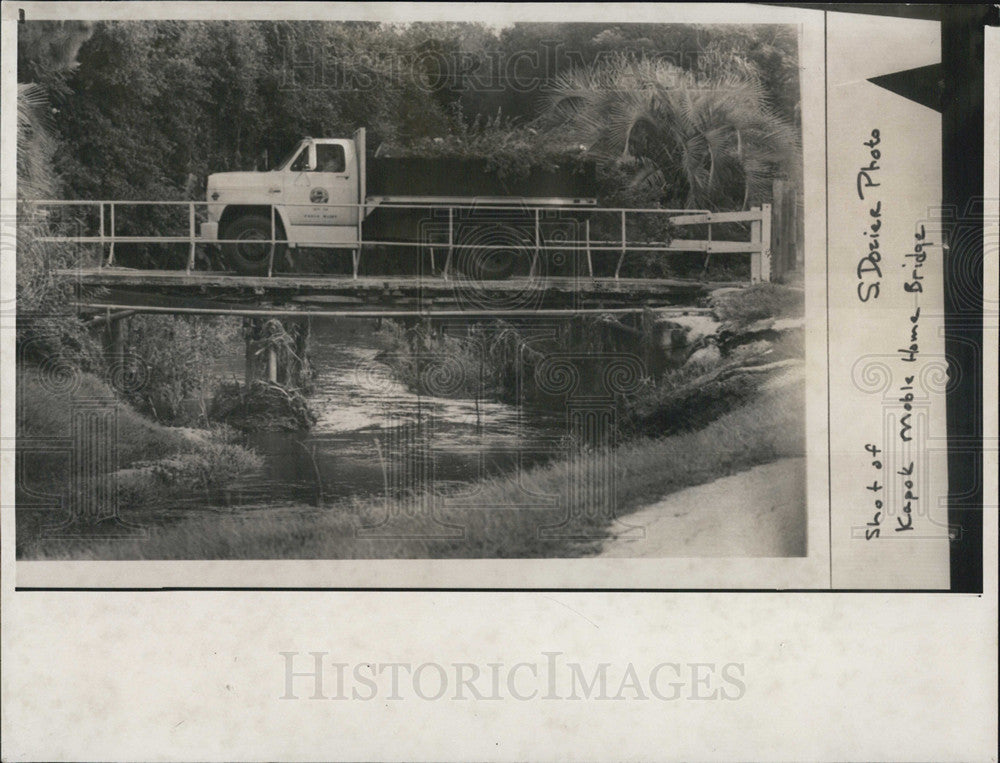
[740,307]
[768,428]
[154,462]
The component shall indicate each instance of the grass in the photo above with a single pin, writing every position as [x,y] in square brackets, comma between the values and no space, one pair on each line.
[767,428]
[45,410]
[740,307]
[690,397]
[155,462]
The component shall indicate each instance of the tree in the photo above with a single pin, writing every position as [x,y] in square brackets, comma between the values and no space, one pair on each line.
[699,140]
[46,54]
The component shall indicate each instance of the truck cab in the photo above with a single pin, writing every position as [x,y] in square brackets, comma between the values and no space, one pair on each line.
[312,198]
[318,197]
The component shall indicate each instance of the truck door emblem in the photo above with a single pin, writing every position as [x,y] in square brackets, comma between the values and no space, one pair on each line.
[319,196]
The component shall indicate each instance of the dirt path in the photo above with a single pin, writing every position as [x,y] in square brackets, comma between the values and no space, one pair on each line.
[760,512]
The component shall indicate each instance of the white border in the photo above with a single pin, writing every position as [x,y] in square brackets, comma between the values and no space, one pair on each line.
[196,676]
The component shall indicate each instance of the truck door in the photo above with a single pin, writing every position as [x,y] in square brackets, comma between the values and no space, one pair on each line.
[321,189]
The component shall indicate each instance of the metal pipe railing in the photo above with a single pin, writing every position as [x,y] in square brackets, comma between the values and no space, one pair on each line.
[758,245]
[682,245]
[370,205]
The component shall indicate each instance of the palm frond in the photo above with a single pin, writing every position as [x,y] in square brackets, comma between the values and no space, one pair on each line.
[709,135]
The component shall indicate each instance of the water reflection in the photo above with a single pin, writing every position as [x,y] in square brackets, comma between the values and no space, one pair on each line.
[361,410]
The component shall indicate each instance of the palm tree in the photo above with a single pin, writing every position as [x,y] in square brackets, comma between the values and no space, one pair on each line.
[702,141]
[48,329]
[35,176]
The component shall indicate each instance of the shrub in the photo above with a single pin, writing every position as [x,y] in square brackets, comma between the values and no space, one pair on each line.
[173,353]
[45,410]
[741,307]
[264,406]
[212,464]
[510,149]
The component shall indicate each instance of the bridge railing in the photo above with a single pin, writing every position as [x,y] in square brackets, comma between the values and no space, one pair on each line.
[756,221]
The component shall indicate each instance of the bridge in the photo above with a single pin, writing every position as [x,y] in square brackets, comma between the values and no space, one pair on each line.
[102,285]
[110,293]
[204,293]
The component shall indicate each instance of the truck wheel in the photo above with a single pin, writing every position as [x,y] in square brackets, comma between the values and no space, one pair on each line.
[495,265]
[492,252]
[251,254]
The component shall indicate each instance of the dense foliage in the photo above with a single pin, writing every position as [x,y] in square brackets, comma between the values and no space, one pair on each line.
[705,140]
[153,107]
[46,329]
[167,361]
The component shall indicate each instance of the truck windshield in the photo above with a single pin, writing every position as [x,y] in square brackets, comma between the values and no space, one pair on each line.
[287,159]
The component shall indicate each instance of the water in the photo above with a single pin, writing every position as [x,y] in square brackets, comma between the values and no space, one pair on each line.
[354,448]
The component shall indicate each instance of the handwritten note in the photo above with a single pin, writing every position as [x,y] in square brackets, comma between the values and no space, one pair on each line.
[869,269]
[872,270]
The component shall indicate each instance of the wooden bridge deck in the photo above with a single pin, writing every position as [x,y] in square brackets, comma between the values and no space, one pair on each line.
[207,292]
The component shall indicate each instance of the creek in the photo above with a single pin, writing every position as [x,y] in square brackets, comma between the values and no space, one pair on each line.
[361,410]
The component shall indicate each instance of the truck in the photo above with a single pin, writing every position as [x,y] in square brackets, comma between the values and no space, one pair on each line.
[327,193]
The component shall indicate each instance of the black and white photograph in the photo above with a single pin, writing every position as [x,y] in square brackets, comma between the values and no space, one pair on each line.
[385,290]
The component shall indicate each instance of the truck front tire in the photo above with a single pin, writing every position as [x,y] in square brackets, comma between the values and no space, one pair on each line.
[493,265]
[252,252]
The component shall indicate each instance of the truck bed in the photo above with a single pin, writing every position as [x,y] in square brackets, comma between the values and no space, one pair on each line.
[455,179]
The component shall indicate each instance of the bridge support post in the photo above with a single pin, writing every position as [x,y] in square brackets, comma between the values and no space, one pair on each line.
[272,365]
[765,242]
[114,334]
[590,261]
[116,328]
[266,360]
[251,330]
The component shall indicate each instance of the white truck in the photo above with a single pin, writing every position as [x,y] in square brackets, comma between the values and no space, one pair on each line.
[328,194]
